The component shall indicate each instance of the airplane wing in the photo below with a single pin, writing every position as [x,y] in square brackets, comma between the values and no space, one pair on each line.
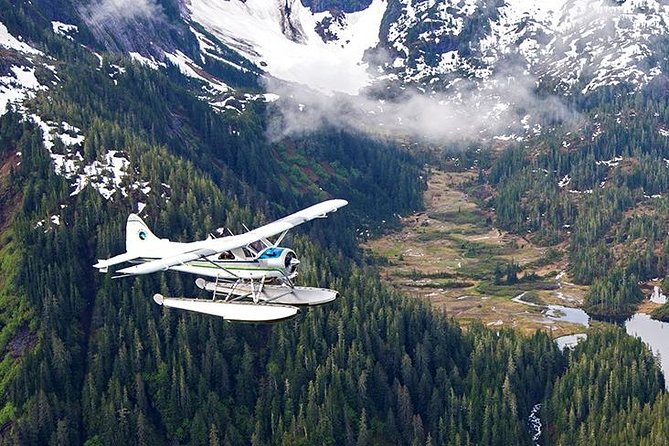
[210,247]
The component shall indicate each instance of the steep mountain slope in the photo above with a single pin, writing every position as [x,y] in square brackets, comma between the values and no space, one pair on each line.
[571,45]
[158,107]
[18,81]
[579,46]
[292,43]
[491,68]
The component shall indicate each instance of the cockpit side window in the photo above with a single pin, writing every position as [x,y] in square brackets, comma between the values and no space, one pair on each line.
[257,246]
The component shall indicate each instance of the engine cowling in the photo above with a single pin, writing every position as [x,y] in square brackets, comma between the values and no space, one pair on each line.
[280,258]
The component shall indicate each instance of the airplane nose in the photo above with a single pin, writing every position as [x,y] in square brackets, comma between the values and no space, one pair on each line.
[291,262]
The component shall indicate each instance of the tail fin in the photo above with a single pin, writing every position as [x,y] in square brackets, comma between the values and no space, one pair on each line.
[137,234]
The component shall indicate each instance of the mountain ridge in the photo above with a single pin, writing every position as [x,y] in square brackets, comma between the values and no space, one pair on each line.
[181,131]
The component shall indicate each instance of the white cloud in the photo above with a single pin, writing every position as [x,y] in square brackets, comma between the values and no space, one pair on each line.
[469,111]
[101,12]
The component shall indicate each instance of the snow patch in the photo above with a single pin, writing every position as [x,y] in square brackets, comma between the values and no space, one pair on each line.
[63,29]
[613,162]
[149,62]
[564,181]
[54,220]
[106,175]
[18,87]
[658,297]
[11,42]
[191,69]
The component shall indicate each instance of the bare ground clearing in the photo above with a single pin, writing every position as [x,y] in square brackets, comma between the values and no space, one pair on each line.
[448,253]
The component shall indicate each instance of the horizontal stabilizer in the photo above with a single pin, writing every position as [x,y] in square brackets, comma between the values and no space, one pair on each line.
[232,311]
[103,265]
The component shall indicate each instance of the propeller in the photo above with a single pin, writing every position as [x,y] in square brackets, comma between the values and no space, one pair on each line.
[291,261]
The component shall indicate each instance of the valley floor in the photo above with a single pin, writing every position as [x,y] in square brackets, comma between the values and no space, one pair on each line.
[449,255]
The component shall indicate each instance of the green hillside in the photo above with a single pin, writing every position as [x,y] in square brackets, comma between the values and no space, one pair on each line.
[93,361]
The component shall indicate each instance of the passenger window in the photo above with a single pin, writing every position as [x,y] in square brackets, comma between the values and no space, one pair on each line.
[227,255]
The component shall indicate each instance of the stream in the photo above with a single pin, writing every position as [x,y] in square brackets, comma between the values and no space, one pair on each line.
[653,333]
[534,423]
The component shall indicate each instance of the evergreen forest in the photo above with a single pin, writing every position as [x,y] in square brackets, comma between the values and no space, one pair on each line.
[88,360]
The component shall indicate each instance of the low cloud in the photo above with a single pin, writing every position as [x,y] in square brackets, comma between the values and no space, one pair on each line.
[123,25]
[102,12]
[506,104]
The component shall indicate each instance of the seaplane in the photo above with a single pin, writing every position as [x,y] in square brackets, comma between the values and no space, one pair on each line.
[251,278]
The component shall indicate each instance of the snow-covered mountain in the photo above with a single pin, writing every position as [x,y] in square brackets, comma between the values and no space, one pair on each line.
[574,43]
[323,50]
[478,61]
[344,46]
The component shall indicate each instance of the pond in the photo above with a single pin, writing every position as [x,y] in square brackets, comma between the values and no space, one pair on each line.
[570,341]
[558,313]
[567,314]
[655,334]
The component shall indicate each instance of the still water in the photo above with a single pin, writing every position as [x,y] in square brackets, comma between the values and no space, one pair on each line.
[655,334]
[570,341]
[567,314]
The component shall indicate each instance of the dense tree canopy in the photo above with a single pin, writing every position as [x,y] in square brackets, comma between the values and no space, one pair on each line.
[90,360]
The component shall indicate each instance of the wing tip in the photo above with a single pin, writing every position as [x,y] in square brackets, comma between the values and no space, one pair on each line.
[338,203]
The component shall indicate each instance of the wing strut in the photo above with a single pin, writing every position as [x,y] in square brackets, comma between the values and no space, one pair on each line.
[281,237]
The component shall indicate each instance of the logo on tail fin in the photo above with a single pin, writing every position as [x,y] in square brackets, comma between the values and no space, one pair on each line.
[142,234]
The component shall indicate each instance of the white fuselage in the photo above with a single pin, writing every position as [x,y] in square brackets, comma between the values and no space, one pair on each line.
[240,263]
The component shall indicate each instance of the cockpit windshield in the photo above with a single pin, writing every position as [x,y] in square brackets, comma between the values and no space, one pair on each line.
[271,253]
